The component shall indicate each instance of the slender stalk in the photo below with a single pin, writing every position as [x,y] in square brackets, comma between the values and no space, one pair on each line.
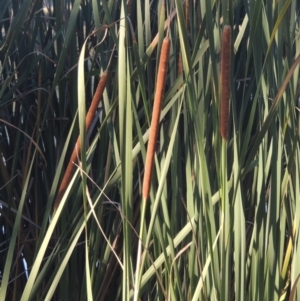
[88,122]
[161,78]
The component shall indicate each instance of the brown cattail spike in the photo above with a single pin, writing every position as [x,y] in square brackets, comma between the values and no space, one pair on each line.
[88,122]
[161,77]
[187,14]
[179,65]
[225,80]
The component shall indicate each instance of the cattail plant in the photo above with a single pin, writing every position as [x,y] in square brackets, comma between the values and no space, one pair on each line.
[224,124]
[161,78]
[225,80]
[88,122]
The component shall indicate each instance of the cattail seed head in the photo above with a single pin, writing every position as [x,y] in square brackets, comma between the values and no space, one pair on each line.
[161,77]
[225,80]
[96,100]
[179,65]
[88,122]
[187,14]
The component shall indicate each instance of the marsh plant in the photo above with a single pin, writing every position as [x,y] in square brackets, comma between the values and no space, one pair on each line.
[150,150]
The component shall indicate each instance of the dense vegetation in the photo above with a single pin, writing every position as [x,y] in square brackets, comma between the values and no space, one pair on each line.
[218,219]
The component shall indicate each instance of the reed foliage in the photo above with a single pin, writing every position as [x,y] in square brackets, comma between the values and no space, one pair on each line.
[222,217]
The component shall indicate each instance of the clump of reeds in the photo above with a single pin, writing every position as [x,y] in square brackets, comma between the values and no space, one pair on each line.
[225,80]
[161,77]
[88,122]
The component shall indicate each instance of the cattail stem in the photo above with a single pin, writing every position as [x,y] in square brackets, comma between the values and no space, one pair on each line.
[225,80]
[161,77]
[88,122]
[226,208]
